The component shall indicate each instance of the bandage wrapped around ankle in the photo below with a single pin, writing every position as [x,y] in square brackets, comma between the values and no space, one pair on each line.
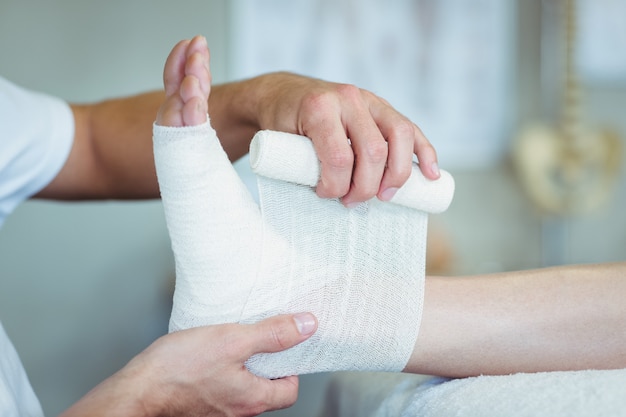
[360,270]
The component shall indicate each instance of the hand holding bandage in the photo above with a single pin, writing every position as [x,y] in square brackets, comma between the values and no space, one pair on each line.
[291,158]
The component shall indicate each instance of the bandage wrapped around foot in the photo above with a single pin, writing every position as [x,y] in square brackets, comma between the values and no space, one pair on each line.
[360,270]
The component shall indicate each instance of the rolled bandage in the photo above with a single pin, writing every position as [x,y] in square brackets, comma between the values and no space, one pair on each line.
[292,158]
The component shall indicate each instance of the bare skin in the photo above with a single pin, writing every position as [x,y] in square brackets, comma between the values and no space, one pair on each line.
[552,319]
[187,80]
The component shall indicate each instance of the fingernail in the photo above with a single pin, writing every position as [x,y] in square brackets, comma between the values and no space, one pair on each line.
[305,322]
[388,194]
[352,204]
[435,168]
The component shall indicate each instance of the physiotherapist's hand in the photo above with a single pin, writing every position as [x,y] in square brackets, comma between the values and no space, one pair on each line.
[201,371]
[375,162]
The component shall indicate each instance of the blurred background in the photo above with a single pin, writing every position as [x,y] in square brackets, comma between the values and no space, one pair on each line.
[526,110]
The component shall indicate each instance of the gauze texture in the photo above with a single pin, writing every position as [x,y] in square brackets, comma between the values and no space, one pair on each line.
[360,271]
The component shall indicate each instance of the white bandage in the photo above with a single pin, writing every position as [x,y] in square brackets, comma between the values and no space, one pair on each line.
[360,271]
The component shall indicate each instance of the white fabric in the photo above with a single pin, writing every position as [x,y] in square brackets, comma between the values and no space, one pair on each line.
[17,398]
[360,271]
[547,394]
[36,135]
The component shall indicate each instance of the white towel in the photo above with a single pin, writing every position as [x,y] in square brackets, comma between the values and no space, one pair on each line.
[592,393]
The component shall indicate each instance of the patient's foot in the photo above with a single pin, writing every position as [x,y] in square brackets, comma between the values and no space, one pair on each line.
[309,254]
[187,80]
[213,222]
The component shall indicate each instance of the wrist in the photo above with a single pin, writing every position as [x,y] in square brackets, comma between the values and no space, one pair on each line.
[136,387]
[126,393]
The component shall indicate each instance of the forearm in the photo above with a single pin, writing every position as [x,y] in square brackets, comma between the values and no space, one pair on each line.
[112,152]
[562,318]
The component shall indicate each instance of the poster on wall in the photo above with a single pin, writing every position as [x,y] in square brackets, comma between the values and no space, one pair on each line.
[445,64]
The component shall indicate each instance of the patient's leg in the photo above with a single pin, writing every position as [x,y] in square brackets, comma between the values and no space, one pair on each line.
[233,266]
[560,318]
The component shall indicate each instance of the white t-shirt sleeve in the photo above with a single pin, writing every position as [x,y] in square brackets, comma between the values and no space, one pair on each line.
[17,398]
[36,135]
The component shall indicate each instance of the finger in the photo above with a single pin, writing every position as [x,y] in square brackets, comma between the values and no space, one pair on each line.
[400,134]
[336,164]
[336,158]
[321,121]
[279,333]
[190,88]
[370,154]
[196,104]
[197,66]
[427,156]
[360,172]
[399,160]
[281,393]
[194,111]
[198,62]
[169,113]
[174,69]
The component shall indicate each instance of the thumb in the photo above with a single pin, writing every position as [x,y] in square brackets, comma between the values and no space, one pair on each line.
[282,332]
